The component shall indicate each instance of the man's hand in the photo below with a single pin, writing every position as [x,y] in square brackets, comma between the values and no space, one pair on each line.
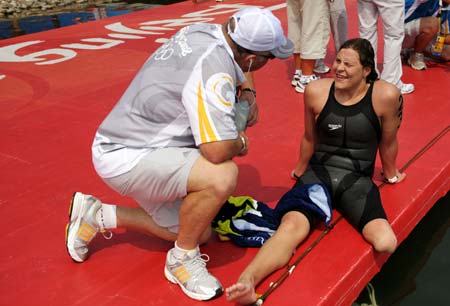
[245,143]
[250,97]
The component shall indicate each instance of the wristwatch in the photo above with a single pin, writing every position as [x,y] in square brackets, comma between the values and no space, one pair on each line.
[244,144]
[250,90]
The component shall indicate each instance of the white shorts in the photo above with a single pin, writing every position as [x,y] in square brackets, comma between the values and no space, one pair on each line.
[412,29]
[309,27]
[158,183]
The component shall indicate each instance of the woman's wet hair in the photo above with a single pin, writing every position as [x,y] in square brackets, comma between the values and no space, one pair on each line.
[366,55]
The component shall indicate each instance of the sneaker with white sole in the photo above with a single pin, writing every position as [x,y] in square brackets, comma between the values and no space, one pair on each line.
[417,61]
[406,88]
[305,80]
[320,67]
[82,226]
[296,78]
[191,274]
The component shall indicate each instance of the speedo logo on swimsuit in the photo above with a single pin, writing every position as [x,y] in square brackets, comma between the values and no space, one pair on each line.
[333,127]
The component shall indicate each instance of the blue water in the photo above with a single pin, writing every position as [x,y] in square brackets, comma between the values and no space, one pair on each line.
[11,27]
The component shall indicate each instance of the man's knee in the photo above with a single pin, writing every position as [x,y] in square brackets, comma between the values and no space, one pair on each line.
[225,181]
[219,180]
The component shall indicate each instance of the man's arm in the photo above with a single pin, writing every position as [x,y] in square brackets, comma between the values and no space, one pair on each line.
[388,103]
[249,95]
[219,151]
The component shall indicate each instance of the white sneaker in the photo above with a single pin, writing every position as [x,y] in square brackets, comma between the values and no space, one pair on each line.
[191,274]
[305,80]
[296,78]
[407,88]
[82,226]
[320,67]
[417,61]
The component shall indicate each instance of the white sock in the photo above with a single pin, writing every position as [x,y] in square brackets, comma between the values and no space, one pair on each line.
[179,252]
[298,71]
[107,216]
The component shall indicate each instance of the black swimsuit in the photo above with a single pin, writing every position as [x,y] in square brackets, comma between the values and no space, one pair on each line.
[344,159]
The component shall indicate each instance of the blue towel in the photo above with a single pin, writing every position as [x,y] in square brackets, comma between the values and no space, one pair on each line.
[247,222]
[313,198]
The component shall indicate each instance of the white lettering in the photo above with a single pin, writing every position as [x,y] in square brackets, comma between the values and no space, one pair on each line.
[163,53]
[120,28]
[8,54]
[65,55]
[121,33]
[276,7]
[106,44]
[173,23]
[125,36]
[218,10]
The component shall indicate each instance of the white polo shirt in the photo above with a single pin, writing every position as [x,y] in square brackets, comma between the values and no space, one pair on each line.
[183,96]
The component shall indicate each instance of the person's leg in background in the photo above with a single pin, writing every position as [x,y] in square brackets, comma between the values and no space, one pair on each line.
[293,10]
[315,35]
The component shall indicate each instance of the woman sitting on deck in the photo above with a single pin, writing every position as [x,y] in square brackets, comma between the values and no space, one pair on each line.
[347,119]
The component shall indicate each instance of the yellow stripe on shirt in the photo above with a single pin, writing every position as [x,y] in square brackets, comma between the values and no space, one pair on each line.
[206,131]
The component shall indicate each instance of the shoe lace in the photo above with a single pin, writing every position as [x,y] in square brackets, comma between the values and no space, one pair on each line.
[197,265]
[106,233]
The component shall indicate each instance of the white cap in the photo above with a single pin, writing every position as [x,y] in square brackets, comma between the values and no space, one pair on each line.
[258,29]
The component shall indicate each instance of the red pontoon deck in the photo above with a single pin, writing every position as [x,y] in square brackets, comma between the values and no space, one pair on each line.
[57,86]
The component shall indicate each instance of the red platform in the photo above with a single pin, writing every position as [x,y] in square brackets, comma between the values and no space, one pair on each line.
[55,89]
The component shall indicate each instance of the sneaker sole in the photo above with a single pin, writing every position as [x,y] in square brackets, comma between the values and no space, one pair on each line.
[294,83]
[418,69]
[414,67]
[321,71]
[406,92]
[73,215]
[192,295]
[300,90]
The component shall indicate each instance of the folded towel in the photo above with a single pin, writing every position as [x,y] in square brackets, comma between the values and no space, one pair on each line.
[313,198]
[247,222]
